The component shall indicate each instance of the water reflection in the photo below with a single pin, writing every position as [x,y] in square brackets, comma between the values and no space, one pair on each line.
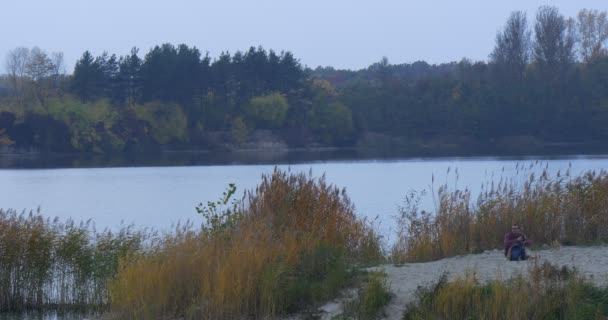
[48,315]
[193,158]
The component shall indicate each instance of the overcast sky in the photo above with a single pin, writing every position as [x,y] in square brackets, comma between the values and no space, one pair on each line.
[342,33]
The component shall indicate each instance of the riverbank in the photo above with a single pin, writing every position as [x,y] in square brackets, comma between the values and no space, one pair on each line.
[33,159]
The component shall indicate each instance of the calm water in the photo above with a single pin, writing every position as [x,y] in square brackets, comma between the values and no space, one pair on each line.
[158,197]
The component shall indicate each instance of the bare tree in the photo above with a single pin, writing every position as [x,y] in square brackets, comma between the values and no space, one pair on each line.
[512,50]
[39,69]
[39,66]
[57,63]
[58,69]
[16,62]
[554,38]
[593,33]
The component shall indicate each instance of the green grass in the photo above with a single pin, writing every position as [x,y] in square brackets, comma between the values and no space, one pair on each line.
[373,294]
[547,292]
[48,263]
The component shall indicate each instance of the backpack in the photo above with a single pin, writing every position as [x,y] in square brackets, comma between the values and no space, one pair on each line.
[518,252]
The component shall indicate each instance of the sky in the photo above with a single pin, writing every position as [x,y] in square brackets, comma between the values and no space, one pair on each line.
[345,34]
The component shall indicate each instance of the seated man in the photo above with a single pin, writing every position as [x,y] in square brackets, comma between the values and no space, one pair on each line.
[515,244]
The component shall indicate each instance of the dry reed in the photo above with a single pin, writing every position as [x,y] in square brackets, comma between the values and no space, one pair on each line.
[551,208]
[547,292]
[292,245]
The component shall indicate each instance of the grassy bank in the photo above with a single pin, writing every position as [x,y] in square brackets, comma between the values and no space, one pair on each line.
[564,209]
[547,292]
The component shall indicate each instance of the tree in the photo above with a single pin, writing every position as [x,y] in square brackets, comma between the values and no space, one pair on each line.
[39,66]
[87,77]
[16,62]
[171,73]
[58,70]
[268,111]
[593,32]
[554,39]
[166,122]
[38,69]
[238,131]
[330,119]
[129,78]
[291,73]
[512,49]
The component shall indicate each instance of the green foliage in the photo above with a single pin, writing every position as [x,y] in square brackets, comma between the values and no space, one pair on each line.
[88,78]
[531,96]
[373,296]
[219,216]
[53,264]
[547,292]
[165,122]
[329,118]
[268,111]
[89,123]
[238,131]
[318,278]
[332,122]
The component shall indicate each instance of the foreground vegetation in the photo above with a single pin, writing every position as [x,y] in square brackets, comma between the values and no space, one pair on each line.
[293,242]
[291,245]
[544,84]
[62,265]
[547,292]
[552,209]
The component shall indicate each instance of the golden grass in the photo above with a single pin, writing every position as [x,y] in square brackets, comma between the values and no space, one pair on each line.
[547,292]
[292,245]
[551,209]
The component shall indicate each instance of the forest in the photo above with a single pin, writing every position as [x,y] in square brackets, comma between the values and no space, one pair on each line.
[545,83]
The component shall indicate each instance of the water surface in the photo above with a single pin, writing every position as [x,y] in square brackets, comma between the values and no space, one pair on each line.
[159,197]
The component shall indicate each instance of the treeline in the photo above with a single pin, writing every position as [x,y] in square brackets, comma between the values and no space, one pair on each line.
[545,83]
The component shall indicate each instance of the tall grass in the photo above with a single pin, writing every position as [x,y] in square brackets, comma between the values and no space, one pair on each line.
[547,292]
[292,245]
[559,208]
[51,264]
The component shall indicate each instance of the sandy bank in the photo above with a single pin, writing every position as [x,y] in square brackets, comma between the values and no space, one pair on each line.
[405,279]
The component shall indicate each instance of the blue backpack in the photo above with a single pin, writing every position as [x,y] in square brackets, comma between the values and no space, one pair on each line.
[518,252]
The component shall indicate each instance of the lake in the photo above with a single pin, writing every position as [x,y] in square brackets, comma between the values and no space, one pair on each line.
[158,197]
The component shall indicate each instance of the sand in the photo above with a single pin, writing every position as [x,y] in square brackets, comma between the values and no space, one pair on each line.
[405,279]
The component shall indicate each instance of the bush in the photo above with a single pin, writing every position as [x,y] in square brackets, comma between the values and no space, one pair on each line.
[290,247]
[547,292]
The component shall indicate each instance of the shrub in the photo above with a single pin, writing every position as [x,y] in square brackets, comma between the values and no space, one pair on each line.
[290,247]
[547,292]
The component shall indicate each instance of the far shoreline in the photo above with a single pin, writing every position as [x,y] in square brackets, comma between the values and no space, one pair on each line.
[36,159]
